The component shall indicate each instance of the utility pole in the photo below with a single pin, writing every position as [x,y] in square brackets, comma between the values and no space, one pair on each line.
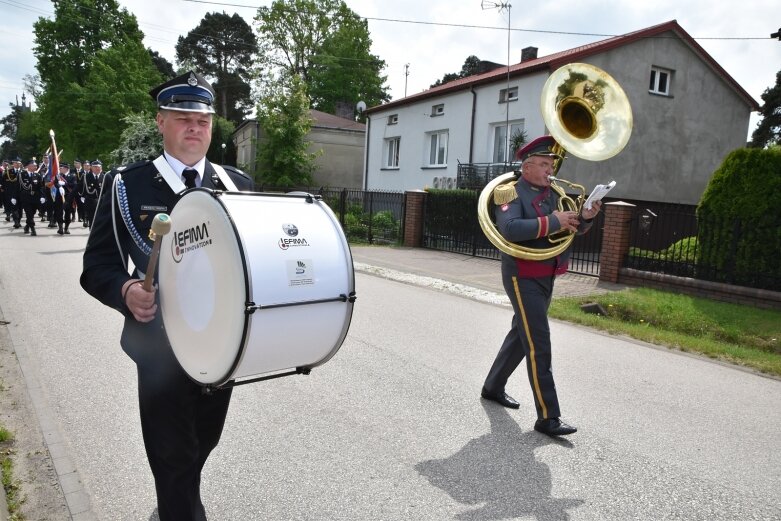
[501,6]
[406,74]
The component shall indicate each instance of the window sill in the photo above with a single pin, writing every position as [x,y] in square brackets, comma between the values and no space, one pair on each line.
[392,168]
[433,167]
[660,94]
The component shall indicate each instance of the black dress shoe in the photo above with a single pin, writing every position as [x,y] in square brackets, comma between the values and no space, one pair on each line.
[554,427]
[502,398]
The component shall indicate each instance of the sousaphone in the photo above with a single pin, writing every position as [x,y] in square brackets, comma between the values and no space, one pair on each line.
[588,114]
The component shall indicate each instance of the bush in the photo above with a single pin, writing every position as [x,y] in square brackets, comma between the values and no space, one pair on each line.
[737,233]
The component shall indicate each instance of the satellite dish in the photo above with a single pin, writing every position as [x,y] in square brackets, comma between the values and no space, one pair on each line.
[360,107]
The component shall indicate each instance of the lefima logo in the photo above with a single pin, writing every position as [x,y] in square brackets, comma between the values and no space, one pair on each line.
[285,243]
[189,240]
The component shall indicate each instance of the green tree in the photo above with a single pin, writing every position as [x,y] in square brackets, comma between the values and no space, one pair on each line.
[66,48]
[284,119]
[140,139]
[117,86]
[470,67]
[223,47]
[66,45]
[164,67]
[768,132]
[222,134]
[324,43]
[345,70]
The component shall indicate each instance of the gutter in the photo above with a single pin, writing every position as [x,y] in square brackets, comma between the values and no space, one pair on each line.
[366,153]
[472,123]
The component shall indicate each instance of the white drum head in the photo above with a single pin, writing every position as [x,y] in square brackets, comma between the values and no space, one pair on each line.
[203,288]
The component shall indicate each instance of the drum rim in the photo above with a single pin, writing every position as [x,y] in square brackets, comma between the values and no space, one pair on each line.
[226,377]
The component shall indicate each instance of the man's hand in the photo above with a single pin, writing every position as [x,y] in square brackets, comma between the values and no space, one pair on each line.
[568,220]
[139,301]
[590,214]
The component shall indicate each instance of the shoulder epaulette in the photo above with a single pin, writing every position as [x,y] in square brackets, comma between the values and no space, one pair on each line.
[236,171]
[132,166]
[505,193]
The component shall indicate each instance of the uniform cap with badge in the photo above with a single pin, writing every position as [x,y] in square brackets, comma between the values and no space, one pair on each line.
[542,146]
[189,92]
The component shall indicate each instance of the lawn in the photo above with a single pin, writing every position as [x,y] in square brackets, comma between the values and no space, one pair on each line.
[734,333]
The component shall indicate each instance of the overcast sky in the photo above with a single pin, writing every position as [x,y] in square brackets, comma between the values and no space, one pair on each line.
[734,33]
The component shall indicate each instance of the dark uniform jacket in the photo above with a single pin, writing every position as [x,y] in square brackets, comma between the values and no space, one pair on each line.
[30,186]
[528,220]
[104,272]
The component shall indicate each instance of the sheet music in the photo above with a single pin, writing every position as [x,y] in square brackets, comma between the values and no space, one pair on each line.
[598,193]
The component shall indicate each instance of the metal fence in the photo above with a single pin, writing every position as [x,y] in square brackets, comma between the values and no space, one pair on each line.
[375,217]
[677,242]
[450,224]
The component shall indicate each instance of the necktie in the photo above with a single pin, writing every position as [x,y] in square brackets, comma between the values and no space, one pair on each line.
[189,175]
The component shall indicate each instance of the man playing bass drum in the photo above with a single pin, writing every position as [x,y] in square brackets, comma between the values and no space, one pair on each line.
[180,423]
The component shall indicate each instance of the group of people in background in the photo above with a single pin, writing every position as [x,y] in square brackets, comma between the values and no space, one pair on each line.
[59,198]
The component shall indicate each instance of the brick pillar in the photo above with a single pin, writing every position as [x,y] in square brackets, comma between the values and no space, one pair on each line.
[413,218]
[615,239]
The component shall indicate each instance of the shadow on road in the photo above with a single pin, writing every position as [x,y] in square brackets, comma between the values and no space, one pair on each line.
[498,473]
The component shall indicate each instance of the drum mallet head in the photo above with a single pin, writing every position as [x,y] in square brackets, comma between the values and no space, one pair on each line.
[161,224]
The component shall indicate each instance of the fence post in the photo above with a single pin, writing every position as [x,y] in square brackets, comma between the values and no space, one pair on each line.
[615,239]
[413,218]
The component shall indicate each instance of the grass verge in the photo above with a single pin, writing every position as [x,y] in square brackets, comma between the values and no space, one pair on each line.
[7,475]
[733,333]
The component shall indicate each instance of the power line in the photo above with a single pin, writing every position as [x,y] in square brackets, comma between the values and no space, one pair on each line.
[472,26]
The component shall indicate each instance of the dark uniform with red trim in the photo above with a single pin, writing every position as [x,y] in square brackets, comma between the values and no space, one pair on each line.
[525,216]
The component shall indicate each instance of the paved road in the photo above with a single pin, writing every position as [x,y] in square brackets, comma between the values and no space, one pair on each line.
[392,428]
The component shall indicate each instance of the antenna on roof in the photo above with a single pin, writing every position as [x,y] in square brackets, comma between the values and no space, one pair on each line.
[487,4]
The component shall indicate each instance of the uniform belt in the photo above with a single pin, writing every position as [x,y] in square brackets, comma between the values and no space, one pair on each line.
[528,269]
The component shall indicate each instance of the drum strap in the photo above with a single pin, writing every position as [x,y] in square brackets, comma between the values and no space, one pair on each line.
[169,175]
[176,183]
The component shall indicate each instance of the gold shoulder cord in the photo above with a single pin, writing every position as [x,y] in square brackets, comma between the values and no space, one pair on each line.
[505,193]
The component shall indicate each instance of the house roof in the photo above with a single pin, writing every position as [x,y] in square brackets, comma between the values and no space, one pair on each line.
[556,60]
[325,120]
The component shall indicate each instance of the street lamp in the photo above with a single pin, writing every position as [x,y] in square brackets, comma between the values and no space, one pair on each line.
[223,153]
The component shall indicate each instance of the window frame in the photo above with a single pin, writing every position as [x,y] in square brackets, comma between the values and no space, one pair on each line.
[438,149]
[657,73]
[438,110]
[393,119]
[392,144]
[513,93]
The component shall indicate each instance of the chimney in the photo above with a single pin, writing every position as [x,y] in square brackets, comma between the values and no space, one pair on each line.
[344,109]
[528,53]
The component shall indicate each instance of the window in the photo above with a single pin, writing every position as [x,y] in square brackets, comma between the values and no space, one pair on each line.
[500,141]
[393,119]
[660,81]
[437,110]
[438,149]
[392,152]
[510,94]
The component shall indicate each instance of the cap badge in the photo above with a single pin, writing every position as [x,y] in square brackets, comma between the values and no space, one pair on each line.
[192,81]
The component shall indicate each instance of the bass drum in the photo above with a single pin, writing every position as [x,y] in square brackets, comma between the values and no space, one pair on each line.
[253,284]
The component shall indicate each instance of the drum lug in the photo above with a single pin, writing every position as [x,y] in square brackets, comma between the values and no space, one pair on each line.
[348,298]
[250,308]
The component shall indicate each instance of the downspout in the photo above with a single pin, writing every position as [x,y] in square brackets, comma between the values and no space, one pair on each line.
[472,124]
[366,154]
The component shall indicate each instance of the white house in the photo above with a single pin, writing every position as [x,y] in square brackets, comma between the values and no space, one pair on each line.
[688,114]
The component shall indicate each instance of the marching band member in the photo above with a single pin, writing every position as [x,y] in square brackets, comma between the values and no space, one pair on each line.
[180,423]
[526,213]
[31,195]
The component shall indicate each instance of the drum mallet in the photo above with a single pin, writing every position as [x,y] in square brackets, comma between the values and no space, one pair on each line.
[161,224]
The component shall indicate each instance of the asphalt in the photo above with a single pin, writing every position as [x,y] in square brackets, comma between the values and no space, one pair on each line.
[459,274]
[472,276]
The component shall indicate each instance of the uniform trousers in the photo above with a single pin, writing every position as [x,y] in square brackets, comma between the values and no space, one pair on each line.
[181,425]
[529,338]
